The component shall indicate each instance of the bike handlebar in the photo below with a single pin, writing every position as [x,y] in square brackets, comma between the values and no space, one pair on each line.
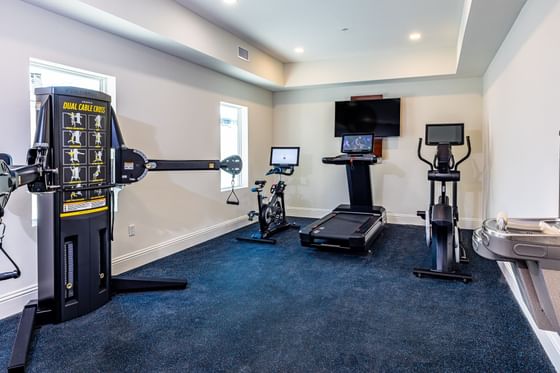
[280,170]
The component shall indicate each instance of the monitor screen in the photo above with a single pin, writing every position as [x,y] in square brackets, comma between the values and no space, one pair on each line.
[382,117]
[452,134]
[357,143]
[284,156]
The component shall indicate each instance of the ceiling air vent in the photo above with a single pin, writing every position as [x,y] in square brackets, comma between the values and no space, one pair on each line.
[243,53]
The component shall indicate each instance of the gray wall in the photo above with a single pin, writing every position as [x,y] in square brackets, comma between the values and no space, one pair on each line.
[167,107]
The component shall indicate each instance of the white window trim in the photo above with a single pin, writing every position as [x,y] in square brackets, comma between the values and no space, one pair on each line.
[107,85]
[244,129]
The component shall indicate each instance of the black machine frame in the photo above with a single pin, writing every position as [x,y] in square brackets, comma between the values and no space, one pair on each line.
[442,230]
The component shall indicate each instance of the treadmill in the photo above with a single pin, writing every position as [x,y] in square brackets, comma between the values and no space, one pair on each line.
[352,227]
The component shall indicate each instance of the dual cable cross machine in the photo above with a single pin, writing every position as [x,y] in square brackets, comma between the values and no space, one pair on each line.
[71,168]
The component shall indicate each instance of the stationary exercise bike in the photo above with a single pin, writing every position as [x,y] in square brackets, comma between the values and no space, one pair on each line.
[272,214]
[442,229]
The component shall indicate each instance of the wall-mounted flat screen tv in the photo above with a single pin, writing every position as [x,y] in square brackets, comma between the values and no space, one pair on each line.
[380,117]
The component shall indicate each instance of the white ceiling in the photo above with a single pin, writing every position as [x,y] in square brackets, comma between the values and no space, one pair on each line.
[460,37]
[277,27]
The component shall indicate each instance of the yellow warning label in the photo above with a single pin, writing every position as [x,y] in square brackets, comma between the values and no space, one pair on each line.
[84,212]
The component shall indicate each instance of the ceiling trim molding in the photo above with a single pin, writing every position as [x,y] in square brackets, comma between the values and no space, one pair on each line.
[484,25]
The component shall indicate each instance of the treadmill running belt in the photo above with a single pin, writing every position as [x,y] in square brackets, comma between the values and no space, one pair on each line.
[345,225]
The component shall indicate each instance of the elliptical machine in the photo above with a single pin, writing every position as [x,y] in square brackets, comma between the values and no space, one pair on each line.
[272,215]
[442,230]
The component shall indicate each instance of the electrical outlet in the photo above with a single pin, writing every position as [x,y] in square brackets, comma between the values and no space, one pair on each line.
[131,230]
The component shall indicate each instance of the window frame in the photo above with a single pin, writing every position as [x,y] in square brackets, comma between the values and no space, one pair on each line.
[242,180]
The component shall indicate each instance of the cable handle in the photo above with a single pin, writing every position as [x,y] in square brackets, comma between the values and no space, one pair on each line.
[9,275]
[232,198]
[467,155]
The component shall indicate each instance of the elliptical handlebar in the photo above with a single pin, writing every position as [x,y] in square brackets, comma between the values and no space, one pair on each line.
[466,156]
[420,155]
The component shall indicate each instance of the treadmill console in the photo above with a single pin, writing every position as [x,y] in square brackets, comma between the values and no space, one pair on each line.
[357,143]
[351,158]
[356,148]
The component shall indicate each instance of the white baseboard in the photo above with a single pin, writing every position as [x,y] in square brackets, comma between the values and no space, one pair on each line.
[549,340]
[13,302]
[393,218]
[304,212]
[149,254]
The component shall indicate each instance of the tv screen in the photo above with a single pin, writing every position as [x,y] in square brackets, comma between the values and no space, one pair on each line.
[380,117]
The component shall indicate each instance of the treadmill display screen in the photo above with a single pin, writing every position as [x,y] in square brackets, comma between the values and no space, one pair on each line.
[357,143]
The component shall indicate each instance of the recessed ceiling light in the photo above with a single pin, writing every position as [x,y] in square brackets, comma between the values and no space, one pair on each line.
[299,50]
[415,36]
[230,2]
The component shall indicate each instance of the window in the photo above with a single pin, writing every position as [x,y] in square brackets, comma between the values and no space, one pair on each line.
[233,141]
[48,74]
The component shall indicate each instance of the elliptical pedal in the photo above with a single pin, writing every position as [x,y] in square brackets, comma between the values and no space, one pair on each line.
[420,272]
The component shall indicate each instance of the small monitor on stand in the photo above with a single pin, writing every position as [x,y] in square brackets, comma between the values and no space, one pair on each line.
[284,156]
[357,143]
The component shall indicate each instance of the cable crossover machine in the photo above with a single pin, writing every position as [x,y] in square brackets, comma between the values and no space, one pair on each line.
[71,169]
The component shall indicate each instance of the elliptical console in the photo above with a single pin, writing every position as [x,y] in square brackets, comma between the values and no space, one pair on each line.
[442,229]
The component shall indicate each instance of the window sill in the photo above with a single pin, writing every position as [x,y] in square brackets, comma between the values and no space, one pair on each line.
[227,189]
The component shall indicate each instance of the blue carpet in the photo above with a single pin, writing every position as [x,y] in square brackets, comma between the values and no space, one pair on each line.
[263,308]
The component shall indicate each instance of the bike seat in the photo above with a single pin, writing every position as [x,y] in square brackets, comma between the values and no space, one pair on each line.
[260,183]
